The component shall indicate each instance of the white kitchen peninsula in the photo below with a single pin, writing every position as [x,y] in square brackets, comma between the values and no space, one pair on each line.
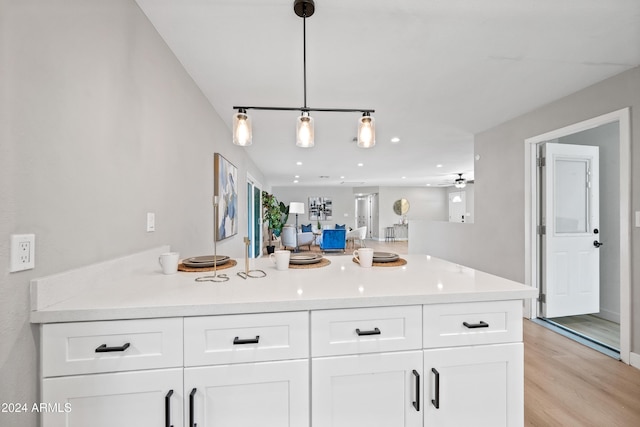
[429,343]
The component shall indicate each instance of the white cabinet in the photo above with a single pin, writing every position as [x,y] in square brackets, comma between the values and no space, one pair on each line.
[433,365]
[261,372]
[479,386]
[473,364]
[367,366]
[371,390]
[274,394]
[138,398]
[108,373]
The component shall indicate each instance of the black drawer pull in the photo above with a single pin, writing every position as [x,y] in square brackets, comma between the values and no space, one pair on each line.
[238,341]
[167,409]
[436,402]
[192,405]
[104,349]
[416,404]
[375,331]
[476,325]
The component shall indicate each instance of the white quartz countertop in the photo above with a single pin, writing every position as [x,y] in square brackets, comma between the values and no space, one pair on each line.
[139,290]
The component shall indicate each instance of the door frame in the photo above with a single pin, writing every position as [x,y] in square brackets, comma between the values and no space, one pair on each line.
[259,232]
[531,209]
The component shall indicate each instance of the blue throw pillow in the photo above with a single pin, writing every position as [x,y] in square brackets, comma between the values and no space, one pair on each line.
[306,228]
[341,227]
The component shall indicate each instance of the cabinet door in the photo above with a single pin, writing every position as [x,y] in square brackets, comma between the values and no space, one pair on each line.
[479,386]
[274,394]
[372,390]
[136,398]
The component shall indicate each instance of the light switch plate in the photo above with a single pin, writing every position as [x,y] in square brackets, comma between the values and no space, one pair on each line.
[151,222]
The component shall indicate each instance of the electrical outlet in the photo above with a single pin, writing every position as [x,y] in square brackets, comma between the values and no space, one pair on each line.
[23,248]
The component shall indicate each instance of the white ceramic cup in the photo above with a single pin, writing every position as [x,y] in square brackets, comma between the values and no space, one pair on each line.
[169,262]
[280,259]
[364,257]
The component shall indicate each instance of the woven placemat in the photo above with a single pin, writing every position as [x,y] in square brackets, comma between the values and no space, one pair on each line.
[323,263]
[396,263]
[229,264]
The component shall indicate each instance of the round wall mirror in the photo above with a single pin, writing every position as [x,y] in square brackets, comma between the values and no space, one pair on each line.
[401,207]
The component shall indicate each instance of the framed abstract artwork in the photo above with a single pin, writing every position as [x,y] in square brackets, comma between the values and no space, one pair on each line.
[226,196]
[320,208]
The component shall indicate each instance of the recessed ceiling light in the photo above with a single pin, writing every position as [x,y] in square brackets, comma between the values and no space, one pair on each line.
[295,181]
[299,163]
[360,164]
[342,177]
[395,140]
[297,176]
[428,185]
[438,165]
[404,177]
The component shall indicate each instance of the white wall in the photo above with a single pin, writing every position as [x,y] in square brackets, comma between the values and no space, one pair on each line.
[342,198]
[100,125]
[424,204]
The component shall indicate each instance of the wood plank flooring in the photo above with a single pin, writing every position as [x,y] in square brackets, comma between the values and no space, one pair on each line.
[599,329]
[569,384]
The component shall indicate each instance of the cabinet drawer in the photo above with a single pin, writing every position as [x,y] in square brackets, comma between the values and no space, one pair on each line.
[365,330]
[120,345]
[447,325]
[245,338]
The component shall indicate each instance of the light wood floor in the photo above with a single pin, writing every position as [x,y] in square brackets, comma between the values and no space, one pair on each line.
[599,329]
[568,384]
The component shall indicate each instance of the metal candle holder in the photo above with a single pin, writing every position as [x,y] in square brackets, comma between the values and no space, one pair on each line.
[254,274]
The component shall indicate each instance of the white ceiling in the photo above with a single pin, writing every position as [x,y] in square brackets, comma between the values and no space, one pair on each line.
[435,71]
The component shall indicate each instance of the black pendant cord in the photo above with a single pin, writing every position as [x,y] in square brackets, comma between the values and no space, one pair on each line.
[305,9]
[304,53]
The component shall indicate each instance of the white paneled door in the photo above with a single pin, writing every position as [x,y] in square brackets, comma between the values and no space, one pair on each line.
[571,239]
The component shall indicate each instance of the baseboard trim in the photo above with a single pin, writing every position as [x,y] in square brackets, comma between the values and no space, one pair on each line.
[634,360]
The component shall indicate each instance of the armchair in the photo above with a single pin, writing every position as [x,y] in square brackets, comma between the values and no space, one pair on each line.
[359,234]
[334,240]
[289,238]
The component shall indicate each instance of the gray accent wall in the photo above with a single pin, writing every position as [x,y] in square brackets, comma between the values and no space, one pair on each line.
[498,241]
[99,124]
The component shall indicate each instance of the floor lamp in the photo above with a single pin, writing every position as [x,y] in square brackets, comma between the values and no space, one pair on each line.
[296,208]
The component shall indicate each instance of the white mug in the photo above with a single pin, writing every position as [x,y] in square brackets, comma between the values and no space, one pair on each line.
[364,257]
[169,262]
[281,259]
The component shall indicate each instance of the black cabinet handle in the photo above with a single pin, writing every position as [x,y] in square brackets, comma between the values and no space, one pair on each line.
[238,341]
[375,331]
[416,404]
[191,408]
[476,325]
[104,349]
[167,409]
[436,401]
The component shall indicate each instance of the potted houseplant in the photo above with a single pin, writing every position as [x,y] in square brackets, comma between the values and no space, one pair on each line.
[275,214]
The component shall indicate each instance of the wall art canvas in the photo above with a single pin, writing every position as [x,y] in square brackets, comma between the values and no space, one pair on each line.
[226,193]
[320,208]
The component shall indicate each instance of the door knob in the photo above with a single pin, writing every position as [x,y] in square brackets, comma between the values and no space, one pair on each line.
[597,244]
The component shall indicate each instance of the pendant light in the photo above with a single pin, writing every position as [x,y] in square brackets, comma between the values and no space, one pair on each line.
[242,133]
[242,128]
[366,131]
[304,131]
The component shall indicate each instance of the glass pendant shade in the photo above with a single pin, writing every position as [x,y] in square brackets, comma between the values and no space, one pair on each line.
[242,129]
[304,131]
[366,132]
